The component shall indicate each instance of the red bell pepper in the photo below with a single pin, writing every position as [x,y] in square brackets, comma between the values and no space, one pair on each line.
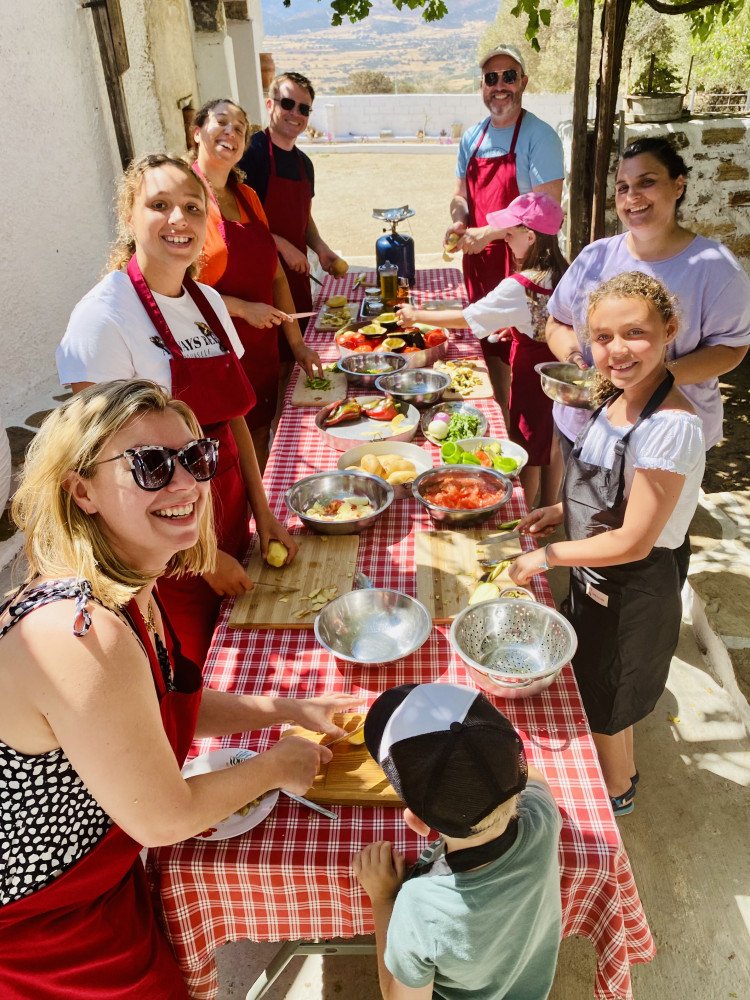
[382,409]
[342,411]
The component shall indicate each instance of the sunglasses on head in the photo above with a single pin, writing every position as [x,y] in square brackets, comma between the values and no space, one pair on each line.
[289,105]
[153,465]
[507,75]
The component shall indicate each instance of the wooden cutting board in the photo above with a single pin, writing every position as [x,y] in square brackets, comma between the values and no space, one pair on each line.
[302,395]
[322,325]
[351,777]
[322,561]
[483,390]
[447,567]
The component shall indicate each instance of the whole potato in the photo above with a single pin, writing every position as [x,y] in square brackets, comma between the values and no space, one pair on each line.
[371,464]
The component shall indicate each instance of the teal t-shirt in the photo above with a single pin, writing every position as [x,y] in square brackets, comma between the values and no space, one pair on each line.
[490,934]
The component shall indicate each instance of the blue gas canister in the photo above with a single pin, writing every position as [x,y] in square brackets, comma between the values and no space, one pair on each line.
[394,247]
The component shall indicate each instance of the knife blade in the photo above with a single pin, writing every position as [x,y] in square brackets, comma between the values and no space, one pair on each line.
[316,280]
[310,805]
[346,736]
[301,315]
[276,586]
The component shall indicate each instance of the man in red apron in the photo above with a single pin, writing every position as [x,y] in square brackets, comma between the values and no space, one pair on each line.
[284,180]
[510,153]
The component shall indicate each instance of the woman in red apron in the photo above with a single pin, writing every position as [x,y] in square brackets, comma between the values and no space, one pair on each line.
[149,319]
[98,706]
[241,262]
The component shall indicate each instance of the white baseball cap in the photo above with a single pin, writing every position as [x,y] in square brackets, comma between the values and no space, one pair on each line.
[504,50]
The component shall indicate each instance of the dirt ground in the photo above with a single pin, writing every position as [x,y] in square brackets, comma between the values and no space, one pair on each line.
[349,185]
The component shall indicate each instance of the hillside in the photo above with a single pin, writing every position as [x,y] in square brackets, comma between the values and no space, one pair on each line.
[441,55]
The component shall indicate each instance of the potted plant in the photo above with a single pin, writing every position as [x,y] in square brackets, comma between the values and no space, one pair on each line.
[654,97]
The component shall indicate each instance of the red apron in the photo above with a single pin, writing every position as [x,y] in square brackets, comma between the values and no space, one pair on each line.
[287,206]
[249,274]
[217,391]
[530,407]
[91,934]
[491,185]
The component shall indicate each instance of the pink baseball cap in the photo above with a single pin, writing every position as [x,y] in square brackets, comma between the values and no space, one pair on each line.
[535,210]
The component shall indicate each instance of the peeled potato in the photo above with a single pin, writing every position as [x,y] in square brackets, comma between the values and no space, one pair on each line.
[396,478]
[394,463]
[371,464]
[336,301]
[353,468]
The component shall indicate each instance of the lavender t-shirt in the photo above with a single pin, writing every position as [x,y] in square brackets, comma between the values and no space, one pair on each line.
[713,299]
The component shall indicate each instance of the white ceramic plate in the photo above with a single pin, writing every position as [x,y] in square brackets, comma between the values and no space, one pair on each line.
[234,825]
[341,437]
[509,450]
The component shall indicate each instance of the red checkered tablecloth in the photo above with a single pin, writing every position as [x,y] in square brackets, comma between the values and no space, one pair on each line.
[290,877]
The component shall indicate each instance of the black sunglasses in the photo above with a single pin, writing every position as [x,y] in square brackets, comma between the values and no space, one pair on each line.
[508,76]
[289,105]
[153,465]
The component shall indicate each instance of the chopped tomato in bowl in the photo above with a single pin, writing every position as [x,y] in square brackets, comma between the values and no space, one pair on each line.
[462,495]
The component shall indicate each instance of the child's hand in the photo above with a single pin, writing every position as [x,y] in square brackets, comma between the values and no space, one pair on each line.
[406,315]
[542,521]
[380,871]
[525,566]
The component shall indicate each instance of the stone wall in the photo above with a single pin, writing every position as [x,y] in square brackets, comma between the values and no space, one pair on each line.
[717,153]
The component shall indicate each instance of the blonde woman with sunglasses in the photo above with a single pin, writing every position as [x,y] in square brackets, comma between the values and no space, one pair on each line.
[98,706]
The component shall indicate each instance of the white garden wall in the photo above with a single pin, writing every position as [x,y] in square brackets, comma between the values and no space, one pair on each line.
[348,117]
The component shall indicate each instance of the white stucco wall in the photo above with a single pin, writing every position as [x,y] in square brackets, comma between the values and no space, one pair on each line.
[351,115]
[59,163]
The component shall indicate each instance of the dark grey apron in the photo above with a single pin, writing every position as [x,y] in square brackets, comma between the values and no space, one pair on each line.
[627,618]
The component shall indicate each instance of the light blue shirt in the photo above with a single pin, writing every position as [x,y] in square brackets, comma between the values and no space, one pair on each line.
[539,152]
[489,934]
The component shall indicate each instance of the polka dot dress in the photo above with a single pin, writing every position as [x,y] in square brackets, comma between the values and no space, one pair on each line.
[48,818]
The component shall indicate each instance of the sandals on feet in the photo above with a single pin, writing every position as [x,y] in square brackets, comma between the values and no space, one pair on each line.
[623,805]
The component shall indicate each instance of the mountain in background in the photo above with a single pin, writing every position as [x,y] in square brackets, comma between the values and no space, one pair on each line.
[439,56]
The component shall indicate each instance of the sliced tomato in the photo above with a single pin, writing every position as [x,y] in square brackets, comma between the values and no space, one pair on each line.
[350,339]
[362,349]
[484,458]
[434,337]
[408,350]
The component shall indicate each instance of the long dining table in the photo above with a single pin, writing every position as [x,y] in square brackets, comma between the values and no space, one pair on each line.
[289,879]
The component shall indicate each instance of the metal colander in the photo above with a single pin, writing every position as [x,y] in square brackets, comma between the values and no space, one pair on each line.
[514,643]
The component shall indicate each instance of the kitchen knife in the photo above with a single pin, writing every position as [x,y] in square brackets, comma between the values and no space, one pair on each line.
[276,586]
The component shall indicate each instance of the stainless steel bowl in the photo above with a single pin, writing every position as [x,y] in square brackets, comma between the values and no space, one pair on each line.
[512,647]
[469,473]
[449,408]
[558,383]
[337,486]
[356,366]
[373,626]
[420,386]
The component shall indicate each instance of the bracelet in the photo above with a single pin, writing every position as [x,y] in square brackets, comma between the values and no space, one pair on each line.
[545,564]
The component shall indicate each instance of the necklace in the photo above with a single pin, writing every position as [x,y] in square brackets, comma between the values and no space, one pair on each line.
[150,620]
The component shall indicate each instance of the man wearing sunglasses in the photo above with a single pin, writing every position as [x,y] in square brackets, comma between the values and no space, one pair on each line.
[284,179]
[509,153]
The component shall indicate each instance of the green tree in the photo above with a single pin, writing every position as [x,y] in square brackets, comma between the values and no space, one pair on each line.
[367,81]
[722,61]
[357,10]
